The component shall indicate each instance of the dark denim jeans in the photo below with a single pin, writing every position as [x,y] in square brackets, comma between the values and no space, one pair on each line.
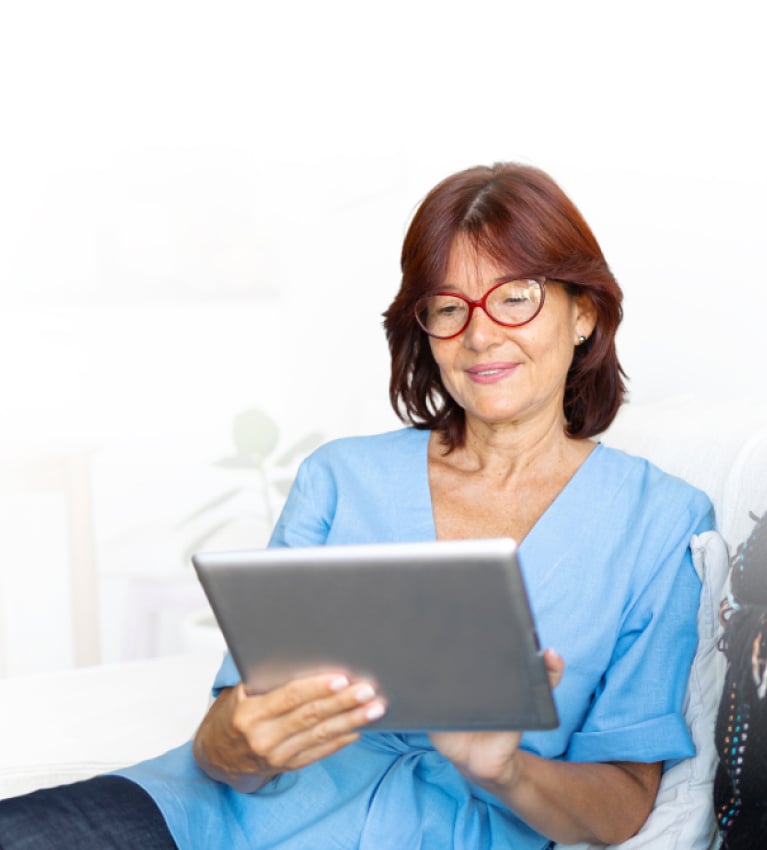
[104,813]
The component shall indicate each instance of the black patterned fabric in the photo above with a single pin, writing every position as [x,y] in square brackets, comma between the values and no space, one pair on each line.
[740,788]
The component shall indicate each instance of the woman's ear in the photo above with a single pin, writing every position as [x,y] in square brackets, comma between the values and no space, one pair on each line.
[585,316]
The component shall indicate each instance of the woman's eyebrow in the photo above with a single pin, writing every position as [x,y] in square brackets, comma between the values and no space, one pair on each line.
[491,284]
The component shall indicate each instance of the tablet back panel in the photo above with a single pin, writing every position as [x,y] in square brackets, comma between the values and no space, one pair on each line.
[444,628]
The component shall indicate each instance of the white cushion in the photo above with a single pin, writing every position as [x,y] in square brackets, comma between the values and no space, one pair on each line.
[683,816]
[61,727]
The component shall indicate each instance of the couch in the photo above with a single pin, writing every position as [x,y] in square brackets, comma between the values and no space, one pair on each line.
[66,726]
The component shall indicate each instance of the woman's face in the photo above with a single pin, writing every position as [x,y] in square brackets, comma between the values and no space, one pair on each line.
[501,375]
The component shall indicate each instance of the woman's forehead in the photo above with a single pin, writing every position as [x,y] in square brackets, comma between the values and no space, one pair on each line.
[469,261]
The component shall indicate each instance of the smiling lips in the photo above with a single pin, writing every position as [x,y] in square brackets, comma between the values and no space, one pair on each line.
[490,373]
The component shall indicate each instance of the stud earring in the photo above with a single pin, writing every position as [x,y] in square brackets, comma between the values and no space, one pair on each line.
[581,340]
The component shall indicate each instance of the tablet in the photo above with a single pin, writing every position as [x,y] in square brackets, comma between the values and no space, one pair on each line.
[444,628]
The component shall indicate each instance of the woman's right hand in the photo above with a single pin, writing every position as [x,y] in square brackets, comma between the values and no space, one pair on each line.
[247,739]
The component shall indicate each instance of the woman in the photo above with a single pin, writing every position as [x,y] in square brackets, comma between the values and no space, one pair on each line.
[504,364]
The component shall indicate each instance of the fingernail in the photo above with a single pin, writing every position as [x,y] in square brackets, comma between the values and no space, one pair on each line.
[375,711]
[364,693]
[339,683]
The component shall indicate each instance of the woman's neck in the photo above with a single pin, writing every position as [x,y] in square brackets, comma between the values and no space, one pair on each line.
[513,474]
[505,450]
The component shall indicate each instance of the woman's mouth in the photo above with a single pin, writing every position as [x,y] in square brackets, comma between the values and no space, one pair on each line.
[489,373]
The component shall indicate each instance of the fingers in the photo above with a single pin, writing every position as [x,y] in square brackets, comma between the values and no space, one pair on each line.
[306,719]
[305,703]
[313,698]
[301,750]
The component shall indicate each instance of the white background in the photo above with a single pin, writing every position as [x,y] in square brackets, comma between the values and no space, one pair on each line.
[201,209]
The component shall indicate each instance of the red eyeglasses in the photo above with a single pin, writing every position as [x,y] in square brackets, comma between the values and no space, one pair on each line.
[511,302]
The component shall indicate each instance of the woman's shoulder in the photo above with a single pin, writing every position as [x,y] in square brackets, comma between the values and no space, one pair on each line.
[390,446]
[641,478]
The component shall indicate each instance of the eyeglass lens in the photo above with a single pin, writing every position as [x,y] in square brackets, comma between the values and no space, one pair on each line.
[512,302]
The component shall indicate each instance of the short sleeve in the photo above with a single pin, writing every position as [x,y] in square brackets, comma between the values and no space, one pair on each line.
[227,676]
[304,521]
[636,713]
[308,513]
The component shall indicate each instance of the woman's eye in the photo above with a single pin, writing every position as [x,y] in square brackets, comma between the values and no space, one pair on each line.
[448,309]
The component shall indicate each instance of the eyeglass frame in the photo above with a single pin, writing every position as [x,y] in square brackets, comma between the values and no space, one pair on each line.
[540,280]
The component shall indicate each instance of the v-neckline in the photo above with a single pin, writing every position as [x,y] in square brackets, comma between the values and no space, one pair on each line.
[551,510]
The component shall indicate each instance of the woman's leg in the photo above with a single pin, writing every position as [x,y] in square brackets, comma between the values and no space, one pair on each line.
[104,813]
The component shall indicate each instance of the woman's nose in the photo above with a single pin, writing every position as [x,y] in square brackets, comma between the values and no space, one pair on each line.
[481,331]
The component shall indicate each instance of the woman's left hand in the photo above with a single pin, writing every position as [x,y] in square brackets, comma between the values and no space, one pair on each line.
[488,757]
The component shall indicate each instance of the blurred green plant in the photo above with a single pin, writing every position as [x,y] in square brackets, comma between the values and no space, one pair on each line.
[256,438]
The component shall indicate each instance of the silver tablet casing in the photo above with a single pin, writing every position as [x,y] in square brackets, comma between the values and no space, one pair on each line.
[444,628]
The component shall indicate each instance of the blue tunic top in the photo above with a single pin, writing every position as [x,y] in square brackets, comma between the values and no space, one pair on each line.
[611,583]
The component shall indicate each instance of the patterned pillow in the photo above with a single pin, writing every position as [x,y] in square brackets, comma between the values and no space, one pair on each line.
[740,791]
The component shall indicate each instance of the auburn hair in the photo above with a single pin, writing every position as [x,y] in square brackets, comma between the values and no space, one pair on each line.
[517,216]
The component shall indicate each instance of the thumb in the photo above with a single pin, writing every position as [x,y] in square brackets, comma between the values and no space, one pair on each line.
[555,666]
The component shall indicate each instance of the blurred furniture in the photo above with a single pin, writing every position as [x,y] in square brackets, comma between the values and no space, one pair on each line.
[47,516]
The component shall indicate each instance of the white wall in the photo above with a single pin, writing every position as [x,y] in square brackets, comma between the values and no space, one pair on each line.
[189,190]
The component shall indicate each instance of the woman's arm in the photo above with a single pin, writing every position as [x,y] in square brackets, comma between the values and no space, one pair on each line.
[566,801]
[571,802]
[245,740]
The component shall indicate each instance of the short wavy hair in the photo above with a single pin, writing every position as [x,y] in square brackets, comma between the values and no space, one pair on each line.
[518,216]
